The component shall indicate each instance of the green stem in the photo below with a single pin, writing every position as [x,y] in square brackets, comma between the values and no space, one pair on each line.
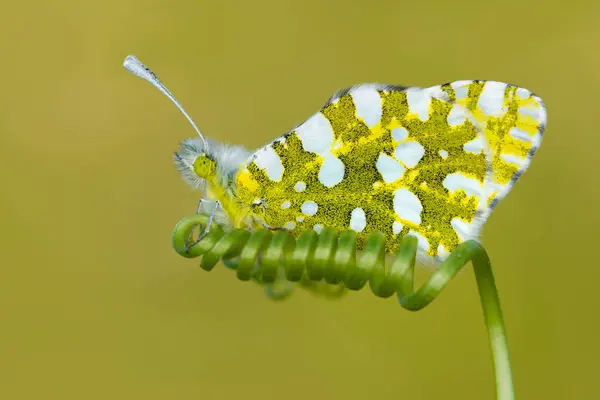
[494,321]
[403,269]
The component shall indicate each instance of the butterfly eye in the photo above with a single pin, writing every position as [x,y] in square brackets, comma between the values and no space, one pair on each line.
[204,166]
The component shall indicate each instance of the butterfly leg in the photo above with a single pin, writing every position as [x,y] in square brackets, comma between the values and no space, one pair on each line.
[199,209]
[208,225]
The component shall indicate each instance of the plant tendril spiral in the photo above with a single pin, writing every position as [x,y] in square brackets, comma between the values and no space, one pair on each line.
[328,264]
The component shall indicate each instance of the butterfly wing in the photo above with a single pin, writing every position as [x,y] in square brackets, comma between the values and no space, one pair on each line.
[429,162]
[513,119]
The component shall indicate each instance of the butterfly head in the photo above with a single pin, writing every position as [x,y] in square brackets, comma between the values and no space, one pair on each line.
[215,165]
[195,163]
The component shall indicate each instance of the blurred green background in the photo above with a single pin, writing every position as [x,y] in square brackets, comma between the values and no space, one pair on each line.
[95,303]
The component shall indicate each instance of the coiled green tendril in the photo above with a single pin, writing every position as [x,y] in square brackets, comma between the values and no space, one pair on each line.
[327,264]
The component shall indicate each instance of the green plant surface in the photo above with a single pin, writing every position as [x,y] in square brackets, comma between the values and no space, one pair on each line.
[330,259]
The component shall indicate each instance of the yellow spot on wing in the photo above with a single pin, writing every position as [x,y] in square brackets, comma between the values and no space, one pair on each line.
[246,180]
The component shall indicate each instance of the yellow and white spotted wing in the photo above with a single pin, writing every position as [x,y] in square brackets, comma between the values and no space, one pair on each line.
[429,162]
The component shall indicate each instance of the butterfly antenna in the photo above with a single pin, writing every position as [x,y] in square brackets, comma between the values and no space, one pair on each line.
[135,66]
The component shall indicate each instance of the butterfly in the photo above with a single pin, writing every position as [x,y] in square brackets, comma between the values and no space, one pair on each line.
[428,162]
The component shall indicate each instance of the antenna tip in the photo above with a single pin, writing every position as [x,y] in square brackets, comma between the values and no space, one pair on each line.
[135,66]
[130,61]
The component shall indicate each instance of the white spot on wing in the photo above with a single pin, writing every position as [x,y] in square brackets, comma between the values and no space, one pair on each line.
[267,159]
[300,186]
[532,112]
[443,154]
[422,242]
[368,104]
[397,227]
[523,93]
[332,171]
[442,252]
[475,146]
[461,89]
[358,220]
[462,228]
[290,225]
[318,228]
[437,92]
[399,134]
[456,116]
[519,134]
[491,100]
[511,158]
[457,181]
[418,102]
[410,153]
[493,188]
[316,134]
[286,204]
[407,206]
[390,169]
[309,208]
